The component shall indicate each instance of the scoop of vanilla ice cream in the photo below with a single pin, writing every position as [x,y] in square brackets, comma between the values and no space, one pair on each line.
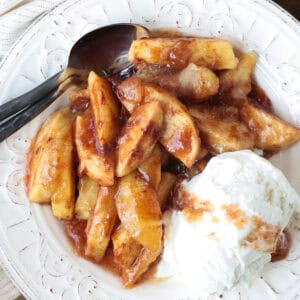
[248,202]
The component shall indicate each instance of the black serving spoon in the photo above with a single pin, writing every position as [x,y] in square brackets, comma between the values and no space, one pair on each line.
[103,50]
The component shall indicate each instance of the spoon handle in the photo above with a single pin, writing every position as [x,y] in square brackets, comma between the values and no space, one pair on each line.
[17,121]
[20,103]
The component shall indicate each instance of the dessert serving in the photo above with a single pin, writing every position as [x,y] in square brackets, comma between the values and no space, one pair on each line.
[159,172]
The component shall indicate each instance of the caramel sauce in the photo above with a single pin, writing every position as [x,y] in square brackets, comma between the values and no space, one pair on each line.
[177,56]
[76,234]
[258,96]
[75,231]
[181,143]
[263,236]
[183,199]
[269,153]
[193,215]
[235,215]
[191,207]
[282,247]
[88,137]
[79,100]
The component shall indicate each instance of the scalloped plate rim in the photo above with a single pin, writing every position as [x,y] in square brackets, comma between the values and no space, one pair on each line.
[13,274]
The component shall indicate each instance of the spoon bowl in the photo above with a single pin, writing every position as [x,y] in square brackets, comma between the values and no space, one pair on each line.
[103,50]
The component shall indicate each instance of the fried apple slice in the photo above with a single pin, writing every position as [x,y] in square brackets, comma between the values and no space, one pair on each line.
[134,259]
[138,137]
[214,54]
[39,187]
[87,196]
[180,135]
[131,93]
[105,109]
[131,275]
[151,168]
[166,184]
[63,199]
[238,80]
[193,82]
[139,211]
[221,129]
[51,165]
[96,164]
[197,83]
[126,248]
[101,223]
[271,133]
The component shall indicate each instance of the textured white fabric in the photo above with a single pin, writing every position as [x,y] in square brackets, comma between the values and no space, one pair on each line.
[16,16]
[7,289]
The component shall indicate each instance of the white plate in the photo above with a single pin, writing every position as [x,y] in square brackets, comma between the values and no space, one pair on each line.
[33,247]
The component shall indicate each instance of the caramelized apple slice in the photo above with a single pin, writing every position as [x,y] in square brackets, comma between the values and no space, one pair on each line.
[214,54]
[271,133]
[134,259]
[197,83]
[105,109]
[138,137]
[221,129]
[63,199]
[179,135]
[96,164]
[131,93]
[238,80]
[139,211]
[151,168]
[52,165]
[145,258]
[87,196]
[101,223]
[192,83]
[126,248]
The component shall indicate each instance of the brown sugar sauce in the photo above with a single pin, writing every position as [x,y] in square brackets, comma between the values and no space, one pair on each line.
[283,247]
[75,231]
